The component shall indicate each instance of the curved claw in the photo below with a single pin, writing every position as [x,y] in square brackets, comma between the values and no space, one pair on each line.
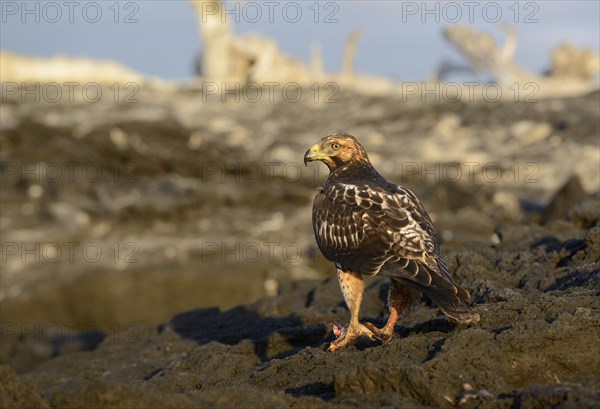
[346,336]
[339,330]
[383,334]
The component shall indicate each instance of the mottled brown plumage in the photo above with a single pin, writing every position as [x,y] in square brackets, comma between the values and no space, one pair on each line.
[367,226]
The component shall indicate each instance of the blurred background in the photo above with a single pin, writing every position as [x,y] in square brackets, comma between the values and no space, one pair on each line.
[151,151]
[401,40]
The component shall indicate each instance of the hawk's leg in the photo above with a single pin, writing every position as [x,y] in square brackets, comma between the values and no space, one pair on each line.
[400,298]
[352,287]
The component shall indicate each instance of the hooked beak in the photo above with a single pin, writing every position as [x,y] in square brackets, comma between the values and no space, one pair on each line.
[314,153]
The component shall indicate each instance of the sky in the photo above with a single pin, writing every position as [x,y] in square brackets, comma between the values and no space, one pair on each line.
[401,39]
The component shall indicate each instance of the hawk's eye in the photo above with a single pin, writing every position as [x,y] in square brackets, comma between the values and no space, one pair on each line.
[335,146]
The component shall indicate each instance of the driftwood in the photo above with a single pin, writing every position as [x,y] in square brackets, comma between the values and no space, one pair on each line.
[572,69]
[232,59]
[569,61]
[61,69]
[350,54]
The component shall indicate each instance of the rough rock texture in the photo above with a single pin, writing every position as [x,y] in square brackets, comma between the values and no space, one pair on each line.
[536,346]
[203,320]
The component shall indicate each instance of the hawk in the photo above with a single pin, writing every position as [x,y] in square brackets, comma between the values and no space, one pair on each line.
[368,226]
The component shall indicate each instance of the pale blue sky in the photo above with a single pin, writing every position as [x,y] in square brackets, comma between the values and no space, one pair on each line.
[396,42]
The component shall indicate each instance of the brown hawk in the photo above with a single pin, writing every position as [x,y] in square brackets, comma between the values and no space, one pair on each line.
[367,226]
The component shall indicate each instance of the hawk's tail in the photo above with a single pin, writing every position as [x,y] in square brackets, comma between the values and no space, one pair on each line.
[437,285]
[454,307]
[449,297]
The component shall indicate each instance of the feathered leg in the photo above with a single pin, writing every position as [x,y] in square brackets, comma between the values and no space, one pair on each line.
[400,299]
[352,287]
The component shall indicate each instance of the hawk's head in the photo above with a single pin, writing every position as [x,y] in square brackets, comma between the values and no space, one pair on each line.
[336,151]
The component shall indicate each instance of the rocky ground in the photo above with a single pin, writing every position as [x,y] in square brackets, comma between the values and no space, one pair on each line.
[160,253]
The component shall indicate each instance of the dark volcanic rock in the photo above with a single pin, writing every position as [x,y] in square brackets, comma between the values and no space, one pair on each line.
[202,213]
[16,393]
[531,349]
[569,195]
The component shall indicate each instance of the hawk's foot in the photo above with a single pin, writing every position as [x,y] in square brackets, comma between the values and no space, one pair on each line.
[346,336]
[384,334]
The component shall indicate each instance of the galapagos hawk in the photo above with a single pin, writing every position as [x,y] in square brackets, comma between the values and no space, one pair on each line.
[368,226]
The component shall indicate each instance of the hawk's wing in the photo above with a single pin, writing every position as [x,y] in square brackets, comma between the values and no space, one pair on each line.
[357,223]
[373,229]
